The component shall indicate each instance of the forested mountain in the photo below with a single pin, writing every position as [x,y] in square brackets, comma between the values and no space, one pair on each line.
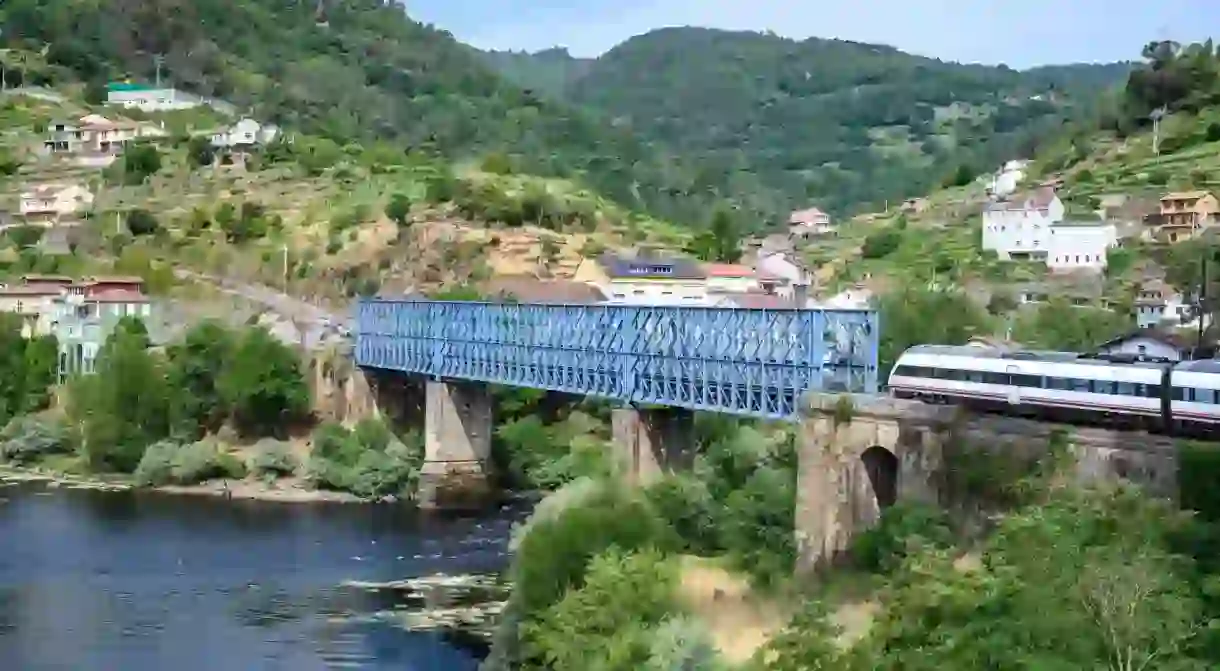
[550,72]
[774,123]
[353,70]
[676,122]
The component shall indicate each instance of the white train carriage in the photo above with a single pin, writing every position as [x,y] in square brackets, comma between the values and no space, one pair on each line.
[1057,383]
[1196,394]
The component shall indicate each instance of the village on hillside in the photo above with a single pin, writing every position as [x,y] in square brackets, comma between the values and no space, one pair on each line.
[1017,221]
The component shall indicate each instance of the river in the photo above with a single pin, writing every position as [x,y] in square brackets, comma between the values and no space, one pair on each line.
[149,582]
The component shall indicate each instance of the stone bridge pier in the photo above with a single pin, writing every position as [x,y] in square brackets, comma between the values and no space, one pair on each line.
[456,417]
[651,442]
[859,457]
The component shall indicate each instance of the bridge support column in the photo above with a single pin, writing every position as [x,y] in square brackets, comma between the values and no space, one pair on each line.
[652,442]
[457,444]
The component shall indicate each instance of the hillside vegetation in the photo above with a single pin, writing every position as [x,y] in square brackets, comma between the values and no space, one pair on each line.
[776,124]
[361,71]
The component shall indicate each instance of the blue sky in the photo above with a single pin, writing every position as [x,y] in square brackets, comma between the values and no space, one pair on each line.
[1021,33]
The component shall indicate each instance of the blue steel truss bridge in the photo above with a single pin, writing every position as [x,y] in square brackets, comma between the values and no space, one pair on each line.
[738,361]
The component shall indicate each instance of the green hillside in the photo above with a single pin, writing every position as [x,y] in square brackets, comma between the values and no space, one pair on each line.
[361,71]
[775,124]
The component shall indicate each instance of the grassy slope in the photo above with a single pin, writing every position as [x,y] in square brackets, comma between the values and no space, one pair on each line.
[335,226]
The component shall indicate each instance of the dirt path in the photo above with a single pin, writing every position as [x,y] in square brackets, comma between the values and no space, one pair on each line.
[739,622]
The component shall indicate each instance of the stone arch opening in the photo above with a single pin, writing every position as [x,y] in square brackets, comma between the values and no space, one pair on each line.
[881,465]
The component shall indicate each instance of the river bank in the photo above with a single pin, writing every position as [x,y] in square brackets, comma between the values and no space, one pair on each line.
[284,490]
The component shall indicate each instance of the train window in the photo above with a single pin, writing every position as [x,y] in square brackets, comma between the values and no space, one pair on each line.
[1128,389]
[1078,384]
[1060,383]
[996,378]
[1019,380]
[905,371]
[1179,393]
[1103,387]
[974,376]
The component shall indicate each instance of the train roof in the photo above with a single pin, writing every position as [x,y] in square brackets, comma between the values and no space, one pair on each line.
[1200,366]
[1035,356]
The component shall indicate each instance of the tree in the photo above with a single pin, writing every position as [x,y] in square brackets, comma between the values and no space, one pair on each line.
[607,623]
[399,210]
[195,367]
[9,163]
[142,222]
[263,384]
[124,407]
[720,243]
[41,372]
[140,161]
[917,316]
[200,152]
[1060,325]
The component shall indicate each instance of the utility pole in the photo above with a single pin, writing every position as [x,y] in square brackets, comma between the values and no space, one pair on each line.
[1202,307]
[1156,116]
[158,59]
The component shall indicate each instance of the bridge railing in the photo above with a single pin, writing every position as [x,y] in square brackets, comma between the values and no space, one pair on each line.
[755,362]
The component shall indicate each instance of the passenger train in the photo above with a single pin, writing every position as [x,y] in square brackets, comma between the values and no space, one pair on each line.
[1124,390]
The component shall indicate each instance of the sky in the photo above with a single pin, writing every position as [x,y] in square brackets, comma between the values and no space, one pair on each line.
[1019,33]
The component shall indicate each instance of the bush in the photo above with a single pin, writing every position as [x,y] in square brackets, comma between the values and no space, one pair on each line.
[882,243]
[26,440]
[142,222]
[1213,132]
[170,463]
[369,461]
[882,548]
[273,459]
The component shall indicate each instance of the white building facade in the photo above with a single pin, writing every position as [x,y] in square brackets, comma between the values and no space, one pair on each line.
[149,98]
[1080,247]
[1020,228]
[244,133]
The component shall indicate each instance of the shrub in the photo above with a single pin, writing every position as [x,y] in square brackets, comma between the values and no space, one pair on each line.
[882,548]
[273,459]
[142,222]
[369,461]
[882,243]
[157,465]
[170,463]
[28,439]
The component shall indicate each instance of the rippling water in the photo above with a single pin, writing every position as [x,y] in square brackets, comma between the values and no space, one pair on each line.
[148,582]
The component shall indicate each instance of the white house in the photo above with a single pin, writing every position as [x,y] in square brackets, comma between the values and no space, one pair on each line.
[149,98]
[244,133]
[1080,246]
[1019,228]
[1158,304]
[730,278]
[51,201]
[1149,342]
[1006,180]
[810,222]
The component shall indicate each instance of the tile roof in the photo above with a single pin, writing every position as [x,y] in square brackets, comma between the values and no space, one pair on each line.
[533,290]
[23,290]
[652,267]
[806,215]
[119,297]
[1168,337]
[728,270]
[1185,195]
[34,278]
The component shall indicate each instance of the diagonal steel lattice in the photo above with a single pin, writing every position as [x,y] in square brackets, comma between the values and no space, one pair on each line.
[739,361]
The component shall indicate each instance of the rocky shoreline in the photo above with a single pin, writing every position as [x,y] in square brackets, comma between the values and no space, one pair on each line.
[284,491]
